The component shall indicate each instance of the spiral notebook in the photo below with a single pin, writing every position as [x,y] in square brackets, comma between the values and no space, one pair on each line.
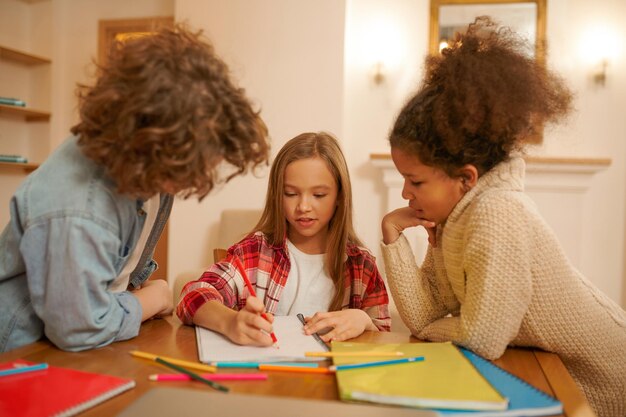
[445,379]
[446,386]
[56,391]
[524,399]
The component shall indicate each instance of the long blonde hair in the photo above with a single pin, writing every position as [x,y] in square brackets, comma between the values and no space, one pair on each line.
[273,221]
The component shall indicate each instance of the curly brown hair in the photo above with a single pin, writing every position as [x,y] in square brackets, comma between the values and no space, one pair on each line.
[481,99]
[164,114]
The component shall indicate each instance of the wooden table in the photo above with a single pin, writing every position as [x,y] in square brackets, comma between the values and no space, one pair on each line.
[169,337]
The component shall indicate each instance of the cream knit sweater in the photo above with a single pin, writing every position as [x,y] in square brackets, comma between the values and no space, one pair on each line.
[501,274]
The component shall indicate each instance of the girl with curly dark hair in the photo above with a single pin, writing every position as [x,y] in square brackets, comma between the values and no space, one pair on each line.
[494,274]
[163,119]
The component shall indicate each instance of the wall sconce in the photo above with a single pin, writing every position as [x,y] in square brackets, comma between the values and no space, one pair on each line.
[379,74]
[599,77]
[598,48]
[382,47]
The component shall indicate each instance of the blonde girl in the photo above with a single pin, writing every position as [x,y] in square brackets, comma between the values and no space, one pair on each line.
[302,257]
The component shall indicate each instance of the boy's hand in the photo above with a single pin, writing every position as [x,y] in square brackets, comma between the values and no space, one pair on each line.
[247,327]
[396,221]
[339,325]
[156,299]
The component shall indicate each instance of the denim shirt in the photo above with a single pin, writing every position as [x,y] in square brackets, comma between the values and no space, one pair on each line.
[69,237]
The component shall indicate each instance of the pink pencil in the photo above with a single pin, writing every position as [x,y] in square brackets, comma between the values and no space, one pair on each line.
[212,377]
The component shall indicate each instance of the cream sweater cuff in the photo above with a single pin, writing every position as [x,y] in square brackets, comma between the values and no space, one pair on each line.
[398,252]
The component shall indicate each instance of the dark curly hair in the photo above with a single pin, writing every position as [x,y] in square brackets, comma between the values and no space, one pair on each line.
[481,99]
[164,114]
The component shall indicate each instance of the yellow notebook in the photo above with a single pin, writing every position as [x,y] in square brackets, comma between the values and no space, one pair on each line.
[445,379]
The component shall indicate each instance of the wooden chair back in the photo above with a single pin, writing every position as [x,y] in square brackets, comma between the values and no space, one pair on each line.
[219,254]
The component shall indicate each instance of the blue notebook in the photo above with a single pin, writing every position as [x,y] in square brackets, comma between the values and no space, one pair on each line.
[524,399]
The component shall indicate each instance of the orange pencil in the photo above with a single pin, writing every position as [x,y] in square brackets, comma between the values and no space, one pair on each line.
[284,368]
[242,271]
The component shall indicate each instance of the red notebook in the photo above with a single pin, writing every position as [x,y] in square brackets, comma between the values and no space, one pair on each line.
[56,391]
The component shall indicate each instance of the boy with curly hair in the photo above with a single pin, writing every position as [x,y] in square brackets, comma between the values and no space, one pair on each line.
[77,254]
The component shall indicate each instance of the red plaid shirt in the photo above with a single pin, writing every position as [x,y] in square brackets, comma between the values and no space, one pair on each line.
[268,267]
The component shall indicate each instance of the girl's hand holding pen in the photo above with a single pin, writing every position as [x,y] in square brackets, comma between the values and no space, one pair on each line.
[339,325]
[249,327]
[260,308]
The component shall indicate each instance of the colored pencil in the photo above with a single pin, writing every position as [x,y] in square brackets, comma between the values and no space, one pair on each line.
[359,353]
[253,365]
[315,335]
[210,377]
[256,364]
[22,369]
[188,364]
[372,364]
[242,271]
[193,375]
[295,369]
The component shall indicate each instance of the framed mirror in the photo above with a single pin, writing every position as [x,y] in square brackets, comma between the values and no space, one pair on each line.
[526,17]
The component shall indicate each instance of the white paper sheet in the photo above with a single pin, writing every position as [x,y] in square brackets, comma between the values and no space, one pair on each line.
[214,347]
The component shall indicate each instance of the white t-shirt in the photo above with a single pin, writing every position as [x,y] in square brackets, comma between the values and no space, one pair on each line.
[151,207]
[308,289]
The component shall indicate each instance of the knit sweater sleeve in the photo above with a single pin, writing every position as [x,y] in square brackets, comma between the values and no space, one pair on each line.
[413,288]
[496,248]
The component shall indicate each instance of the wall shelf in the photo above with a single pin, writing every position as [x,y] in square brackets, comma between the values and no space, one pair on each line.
[26,63]
[25,58]
[28,167]
[31,115]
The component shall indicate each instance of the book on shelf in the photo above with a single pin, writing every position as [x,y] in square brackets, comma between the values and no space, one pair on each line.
[451,381]
[55,391]
[9,101]
[13,158]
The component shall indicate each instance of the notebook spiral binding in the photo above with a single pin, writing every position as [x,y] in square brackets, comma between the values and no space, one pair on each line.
[469,353]
[524,399]
[79,408]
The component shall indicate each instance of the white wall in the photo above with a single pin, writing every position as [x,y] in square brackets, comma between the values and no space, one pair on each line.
[370,108]
[597,129]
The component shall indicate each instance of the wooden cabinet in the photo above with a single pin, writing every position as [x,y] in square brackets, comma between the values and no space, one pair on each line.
[24,76]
